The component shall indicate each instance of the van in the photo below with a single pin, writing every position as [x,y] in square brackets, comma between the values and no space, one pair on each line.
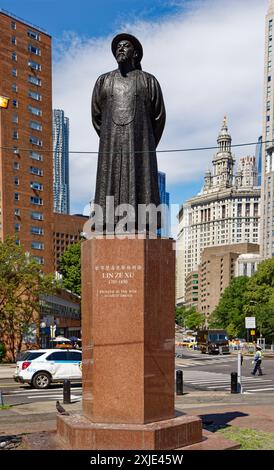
[213,341]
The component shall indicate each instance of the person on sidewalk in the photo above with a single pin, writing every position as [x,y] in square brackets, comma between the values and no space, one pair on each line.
[257,361]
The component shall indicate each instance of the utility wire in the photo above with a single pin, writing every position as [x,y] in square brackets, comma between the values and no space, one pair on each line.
[18,150]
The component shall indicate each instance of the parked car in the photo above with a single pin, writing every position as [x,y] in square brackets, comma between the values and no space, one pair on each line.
[42,367]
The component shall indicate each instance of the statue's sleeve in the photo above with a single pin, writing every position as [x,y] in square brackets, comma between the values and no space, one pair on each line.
[96,105]
[158,109]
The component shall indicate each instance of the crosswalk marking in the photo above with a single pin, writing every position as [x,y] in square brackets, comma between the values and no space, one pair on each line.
[218,381]
[192,362]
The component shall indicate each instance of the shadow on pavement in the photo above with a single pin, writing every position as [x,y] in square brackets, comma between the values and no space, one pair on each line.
[214,421]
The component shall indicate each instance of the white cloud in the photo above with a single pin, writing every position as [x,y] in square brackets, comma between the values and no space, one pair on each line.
[209,62]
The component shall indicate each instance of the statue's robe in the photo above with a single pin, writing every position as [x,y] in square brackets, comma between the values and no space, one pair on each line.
[128,114]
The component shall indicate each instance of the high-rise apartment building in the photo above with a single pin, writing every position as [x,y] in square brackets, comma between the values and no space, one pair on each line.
[26,137]
[225,212]
[60,138]
[267,219]
[218,267]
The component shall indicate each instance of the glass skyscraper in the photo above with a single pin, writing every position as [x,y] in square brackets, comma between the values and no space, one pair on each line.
[164,199]
[60,136]
[259,155]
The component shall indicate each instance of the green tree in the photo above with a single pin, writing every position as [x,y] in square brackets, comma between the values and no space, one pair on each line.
[189,318]
[70,268]
[230,313]
[259,298]
[21,284]
[194,320]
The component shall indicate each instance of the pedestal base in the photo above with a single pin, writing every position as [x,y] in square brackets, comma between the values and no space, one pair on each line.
[78,432]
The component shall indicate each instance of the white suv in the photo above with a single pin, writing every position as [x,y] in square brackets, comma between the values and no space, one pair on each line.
[41,367]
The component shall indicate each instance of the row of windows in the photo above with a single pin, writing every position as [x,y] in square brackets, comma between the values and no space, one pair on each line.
[33,184]
[33,230]
[31,78]
[31,34]
[33,169]
[36,126]
[31,94]
[37,201]
[31,48]
[33,110]
[34,215]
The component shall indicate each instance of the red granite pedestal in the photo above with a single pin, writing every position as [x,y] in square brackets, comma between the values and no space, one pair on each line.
[128,296]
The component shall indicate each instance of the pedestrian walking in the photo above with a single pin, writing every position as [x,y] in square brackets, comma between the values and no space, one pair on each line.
[257,361]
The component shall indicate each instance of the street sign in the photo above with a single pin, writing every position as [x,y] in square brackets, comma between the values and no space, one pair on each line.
[250,323]
[252,332]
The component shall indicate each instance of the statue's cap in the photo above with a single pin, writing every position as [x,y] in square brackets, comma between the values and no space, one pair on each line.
[127,37]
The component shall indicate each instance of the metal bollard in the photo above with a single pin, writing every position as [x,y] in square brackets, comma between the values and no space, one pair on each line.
[234,382]
[1,398]
[179,382]
[66,391]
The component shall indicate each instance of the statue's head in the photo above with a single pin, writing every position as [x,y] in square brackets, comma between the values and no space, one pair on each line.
[127,48]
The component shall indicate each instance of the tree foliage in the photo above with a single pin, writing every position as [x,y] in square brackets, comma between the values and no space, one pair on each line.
[229,313]
[21,283]
[70,268]
[189,318]
[245,297]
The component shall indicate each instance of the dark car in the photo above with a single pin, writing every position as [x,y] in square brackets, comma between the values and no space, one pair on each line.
[213,341]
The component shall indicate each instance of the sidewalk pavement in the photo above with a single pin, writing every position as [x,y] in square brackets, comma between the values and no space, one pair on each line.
[7,371]
[214,408]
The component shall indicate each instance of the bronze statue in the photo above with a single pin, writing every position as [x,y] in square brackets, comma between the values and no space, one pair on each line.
[128,114]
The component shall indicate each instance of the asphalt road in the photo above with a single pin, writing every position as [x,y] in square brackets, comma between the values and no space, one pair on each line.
[200,372]
[213,373]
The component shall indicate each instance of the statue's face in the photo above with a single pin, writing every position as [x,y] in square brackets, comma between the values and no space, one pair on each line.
[125,52]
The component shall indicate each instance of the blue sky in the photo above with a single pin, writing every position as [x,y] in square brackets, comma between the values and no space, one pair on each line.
[207,55]
[89,17]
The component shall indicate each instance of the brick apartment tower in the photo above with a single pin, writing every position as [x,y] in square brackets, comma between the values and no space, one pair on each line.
[26,170]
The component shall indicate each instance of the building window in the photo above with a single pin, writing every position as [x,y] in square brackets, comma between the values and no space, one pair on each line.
[15,118]
[37,216]
[14,72]
[35,125]
[36,156]
[35,96]
[16,181]
[13,25]
[16,165]
[36,200]
[33,35]
[36,186]
[15,103]
[34,50]
[34,80]
[17,227]
[15,135]
[13,40]
[35,141]
[269,78]
[37,230]
[14,56]
[16,196]
[37,246]
[14,88]
[36,171]
[39,259]
[34,65]
[35,111]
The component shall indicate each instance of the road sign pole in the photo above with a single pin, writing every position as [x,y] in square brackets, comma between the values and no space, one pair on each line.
[239,378]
